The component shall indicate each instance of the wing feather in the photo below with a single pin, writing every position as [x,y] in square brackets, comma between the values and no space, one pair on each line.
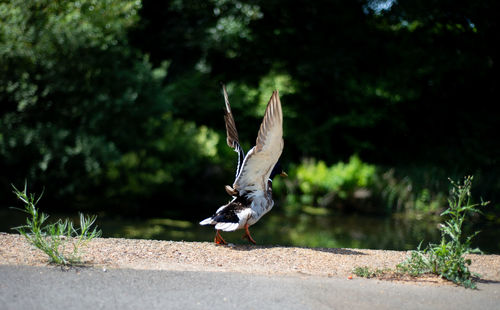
[232,134]
[261,159]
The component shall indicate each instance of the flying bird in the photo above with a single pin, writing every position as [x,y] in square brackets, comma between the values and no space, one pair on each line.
[251,191]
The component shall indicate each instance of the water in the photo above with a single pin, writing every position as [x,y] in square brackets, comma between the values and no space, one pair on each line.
[307,230]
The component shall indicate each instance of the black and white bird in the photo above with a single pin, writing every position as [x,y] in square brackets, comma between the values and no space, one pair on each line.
[252,188]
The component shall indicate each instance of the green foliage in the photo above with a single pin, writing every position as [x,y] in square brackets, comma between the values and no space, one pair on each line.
[62,104]
[86,87]
[358,186]
[53,239]
[342,178]
[317,184]
[367,272]
[171,163]
[349,95]
[85,112]
[447,258]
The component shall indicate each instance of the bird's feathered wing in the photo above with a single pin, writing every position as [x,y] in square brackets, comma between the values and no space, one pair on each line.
[253,169]
[232,134]
[260,160]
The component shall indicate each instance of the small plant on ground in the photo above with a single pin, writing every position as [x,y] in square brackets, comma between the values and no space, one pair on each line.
[61,241]
[367,272]
[447,258]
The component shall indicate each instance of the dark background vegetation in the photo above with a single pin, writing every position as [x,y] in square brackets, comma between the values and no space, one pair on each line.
[115,106]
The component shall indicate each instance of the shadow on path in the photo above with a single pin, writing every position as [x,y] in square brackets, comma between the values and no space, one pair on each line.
[340,251]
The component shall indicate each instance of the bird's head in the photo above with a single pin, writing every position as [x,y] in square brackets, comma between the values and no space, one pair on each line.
[277,170]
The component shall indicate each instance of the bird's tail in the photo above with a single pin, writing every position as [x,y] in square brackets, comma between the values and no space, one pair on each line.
[208,221]
[225,226]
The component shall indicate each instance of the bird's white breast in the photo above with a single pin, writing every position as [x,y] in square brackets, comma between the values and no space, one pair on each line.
[261,204]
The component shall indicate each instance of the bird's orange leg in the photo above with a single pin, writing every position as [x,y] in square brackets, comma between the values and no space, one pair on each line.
[218,238]
[247,235]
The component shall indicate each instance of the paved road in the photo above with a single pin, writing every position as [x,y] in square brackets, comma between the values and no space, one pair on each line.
[24,287]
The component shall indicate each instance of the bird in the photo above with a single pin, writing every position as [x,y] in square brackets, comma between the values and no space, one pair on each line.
[251,191]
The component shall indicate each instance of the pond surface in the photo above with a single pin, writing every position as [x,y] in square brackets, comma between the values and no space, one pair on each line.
[307,230]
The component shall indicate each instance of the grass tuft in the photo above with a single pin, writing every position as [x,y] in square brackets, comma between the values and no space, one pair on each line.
[61,240]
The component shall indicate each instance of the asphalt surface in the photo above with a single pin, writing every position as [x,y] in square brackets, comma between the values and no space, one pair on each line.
[25,287]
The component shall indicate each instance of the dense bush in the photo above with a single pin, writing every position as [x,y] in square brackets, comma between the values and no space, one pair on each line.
[356,186]
[70,88]
[323,185]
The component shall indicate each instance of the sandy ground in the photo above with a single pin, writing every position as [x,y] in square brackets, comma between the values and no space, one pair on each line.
[204,256]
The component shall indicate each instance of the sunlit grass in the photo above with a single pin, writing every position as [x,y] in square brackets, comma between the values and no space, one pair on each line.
[53,239]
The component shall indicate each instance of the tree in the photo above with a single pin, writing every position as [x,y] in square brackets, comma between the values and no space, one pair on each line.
[79,105]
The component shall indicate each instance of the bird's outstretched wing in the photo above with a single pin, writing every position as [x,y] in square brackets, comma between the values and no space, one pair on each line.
[232,133]
[260,160]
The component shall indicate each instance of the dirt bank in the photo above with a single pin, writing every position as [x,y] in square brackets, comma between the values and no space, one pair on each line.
[204,256]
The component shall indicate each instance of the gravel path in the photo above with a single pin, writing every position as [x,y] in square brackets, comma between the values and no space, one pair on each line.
[204,256]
